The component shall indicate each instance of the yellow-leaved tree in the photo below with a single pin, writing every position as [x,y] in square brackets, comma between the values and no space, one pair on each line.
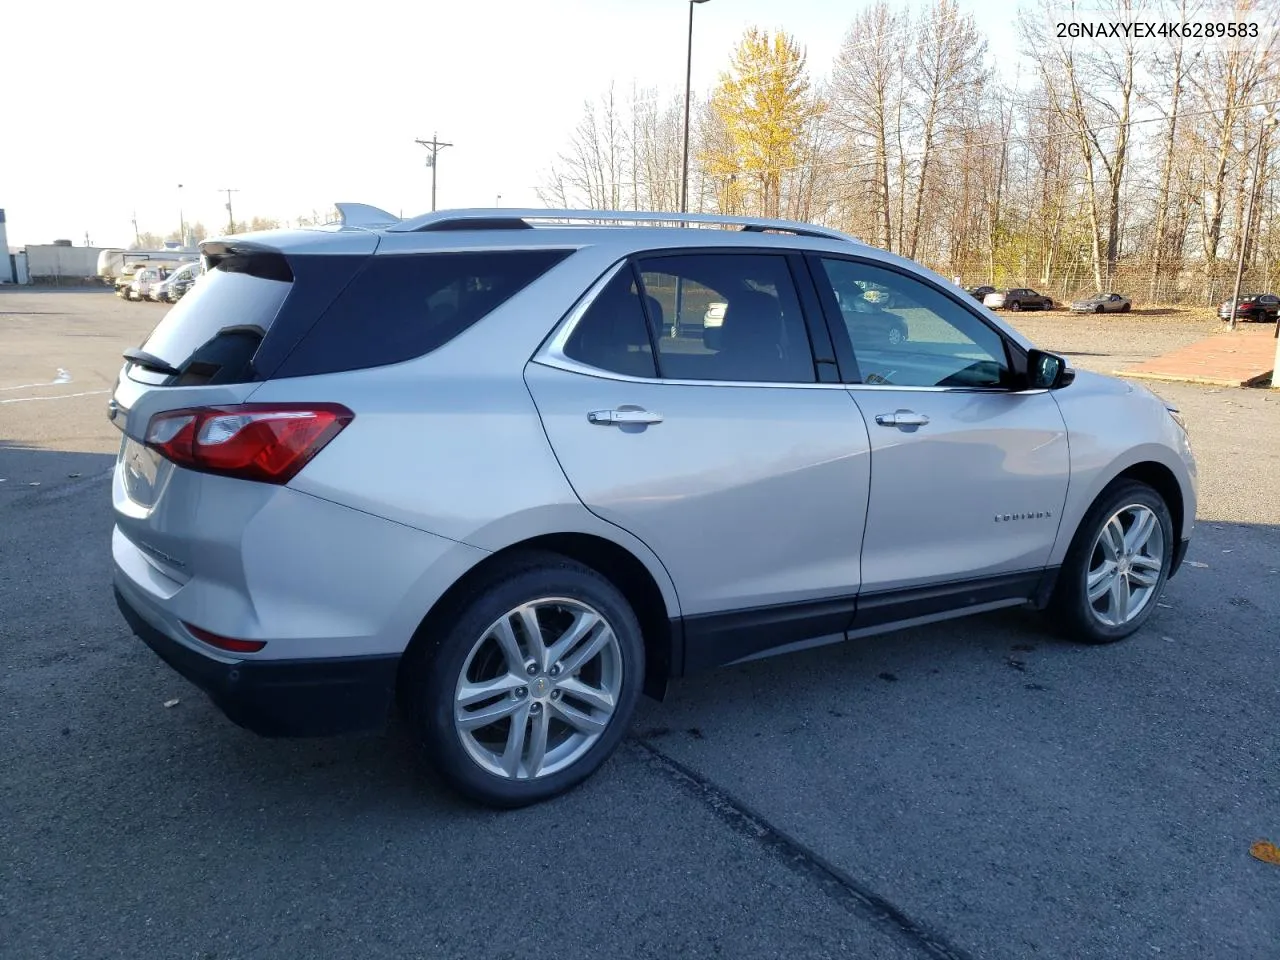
[758,117]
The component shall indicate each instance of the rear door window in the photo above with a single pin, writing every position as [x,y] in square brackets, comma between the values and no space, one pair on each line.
[612,335]
[726,317]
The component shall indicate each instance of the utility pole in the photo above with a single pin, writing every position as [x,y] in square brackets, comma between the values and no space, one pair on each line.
[137,239]
[231,220]
[434,146]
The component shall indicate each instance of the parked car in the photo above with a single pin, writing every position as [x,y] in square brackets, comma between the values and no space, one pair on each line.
[143,282]
[875,294]
[376,462]
[1018,298]
[1102,303]
[1260,307]
[182,286]
[980,293]
[163,291]
[868,324]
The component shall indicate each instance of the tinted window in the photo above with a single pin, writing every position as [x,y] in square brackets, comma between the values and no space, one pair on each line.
[921,338]
[401,307]
[612,334]
[212,333]
[726,317]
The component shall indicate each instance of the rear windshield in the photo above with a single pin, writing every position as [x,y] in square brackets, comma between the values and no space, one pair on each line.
[212,333]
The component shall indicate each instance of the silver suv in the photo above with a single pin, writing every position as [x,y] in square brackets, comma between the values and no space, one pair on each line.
[460,462]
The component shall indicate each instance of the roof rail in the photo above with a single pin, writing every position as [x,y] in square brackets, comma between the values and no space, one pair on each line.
[521,218]
[363,215]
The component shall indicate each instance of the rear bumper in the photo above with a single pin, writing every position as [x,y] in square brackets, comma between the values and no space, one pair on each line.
[282,698]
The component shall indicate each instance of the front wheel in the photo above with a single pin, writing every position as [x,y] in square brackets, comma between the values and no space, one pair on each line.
[1015,306]
[1098,309]
[529,685]
[1116,567]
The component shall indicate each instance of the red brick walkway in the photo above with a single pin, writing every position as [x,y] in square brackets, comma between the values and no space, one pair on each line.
[1239,359]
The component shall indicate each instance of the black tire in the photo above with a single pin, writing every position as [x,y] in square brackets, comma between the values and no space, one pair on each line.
[1098,308]
[1015,306]
[430,673]
[1126,308]
[1069,608]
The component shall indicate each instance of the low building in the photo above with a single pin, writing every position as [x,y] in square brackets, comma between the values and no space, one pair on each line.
[60,261]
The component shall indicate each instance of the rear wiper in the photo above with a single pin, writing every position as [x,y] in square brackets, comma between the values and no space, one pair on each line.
[150,361]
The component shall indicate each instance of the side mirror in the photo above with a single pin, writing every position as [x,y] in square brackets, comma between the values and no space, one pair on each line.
[1047,371]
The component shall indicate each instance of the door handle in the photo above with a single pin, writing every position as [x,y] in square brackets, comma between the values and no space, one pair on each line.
[902,418]
[623,416]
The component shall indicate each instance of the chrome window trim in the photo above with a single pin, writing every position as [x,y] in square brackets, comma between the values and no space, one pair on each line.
[553,349]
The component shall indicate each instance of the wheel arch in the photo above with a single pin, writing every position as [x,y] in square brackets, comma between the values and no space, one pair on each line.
[659,624]
[1161,479]
[1152,472]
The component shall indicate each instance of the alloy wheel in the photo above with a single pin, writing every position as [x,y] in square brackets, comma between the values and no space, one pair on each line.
[1125,565]
[538,688]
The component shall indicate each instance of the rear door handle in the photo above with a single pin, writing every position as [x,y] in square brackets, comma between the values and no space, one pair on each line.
[902,418]
[624,415]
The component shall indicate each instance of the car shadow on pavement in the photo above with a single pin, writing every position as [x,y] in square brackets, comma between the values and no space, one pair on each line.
[24,468]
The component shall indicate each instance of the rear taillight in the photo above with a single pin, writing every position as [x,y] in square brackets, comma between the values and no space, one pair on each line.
[265,442]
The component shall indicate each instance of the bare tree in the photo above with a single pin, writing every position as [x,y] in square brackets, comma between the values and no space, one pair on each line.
[592,172]
[866,89]
[1119,164]
[950,59]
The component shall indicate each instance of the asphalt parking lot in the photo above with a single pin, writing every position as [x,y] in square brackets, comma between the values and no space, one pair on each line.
[973,789]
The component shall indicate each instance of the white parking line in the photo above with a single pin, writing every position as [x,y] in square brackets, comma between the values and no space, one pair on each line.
[60,396]
[62,377]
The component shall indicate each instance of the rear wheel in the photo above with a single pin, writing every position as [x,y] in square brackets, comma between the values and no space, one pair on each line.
[1116,568]
[1126,308]
[1098,308]
[530,683]
[1015,306]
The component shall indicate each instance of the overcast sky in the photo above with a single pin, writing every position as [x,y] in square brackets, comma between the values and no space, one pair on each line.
[107,108]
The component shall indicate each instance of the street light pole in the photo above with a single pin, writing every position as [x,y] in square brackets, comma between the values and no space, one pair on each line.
[688,92]
[182,221]
[1270,121]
